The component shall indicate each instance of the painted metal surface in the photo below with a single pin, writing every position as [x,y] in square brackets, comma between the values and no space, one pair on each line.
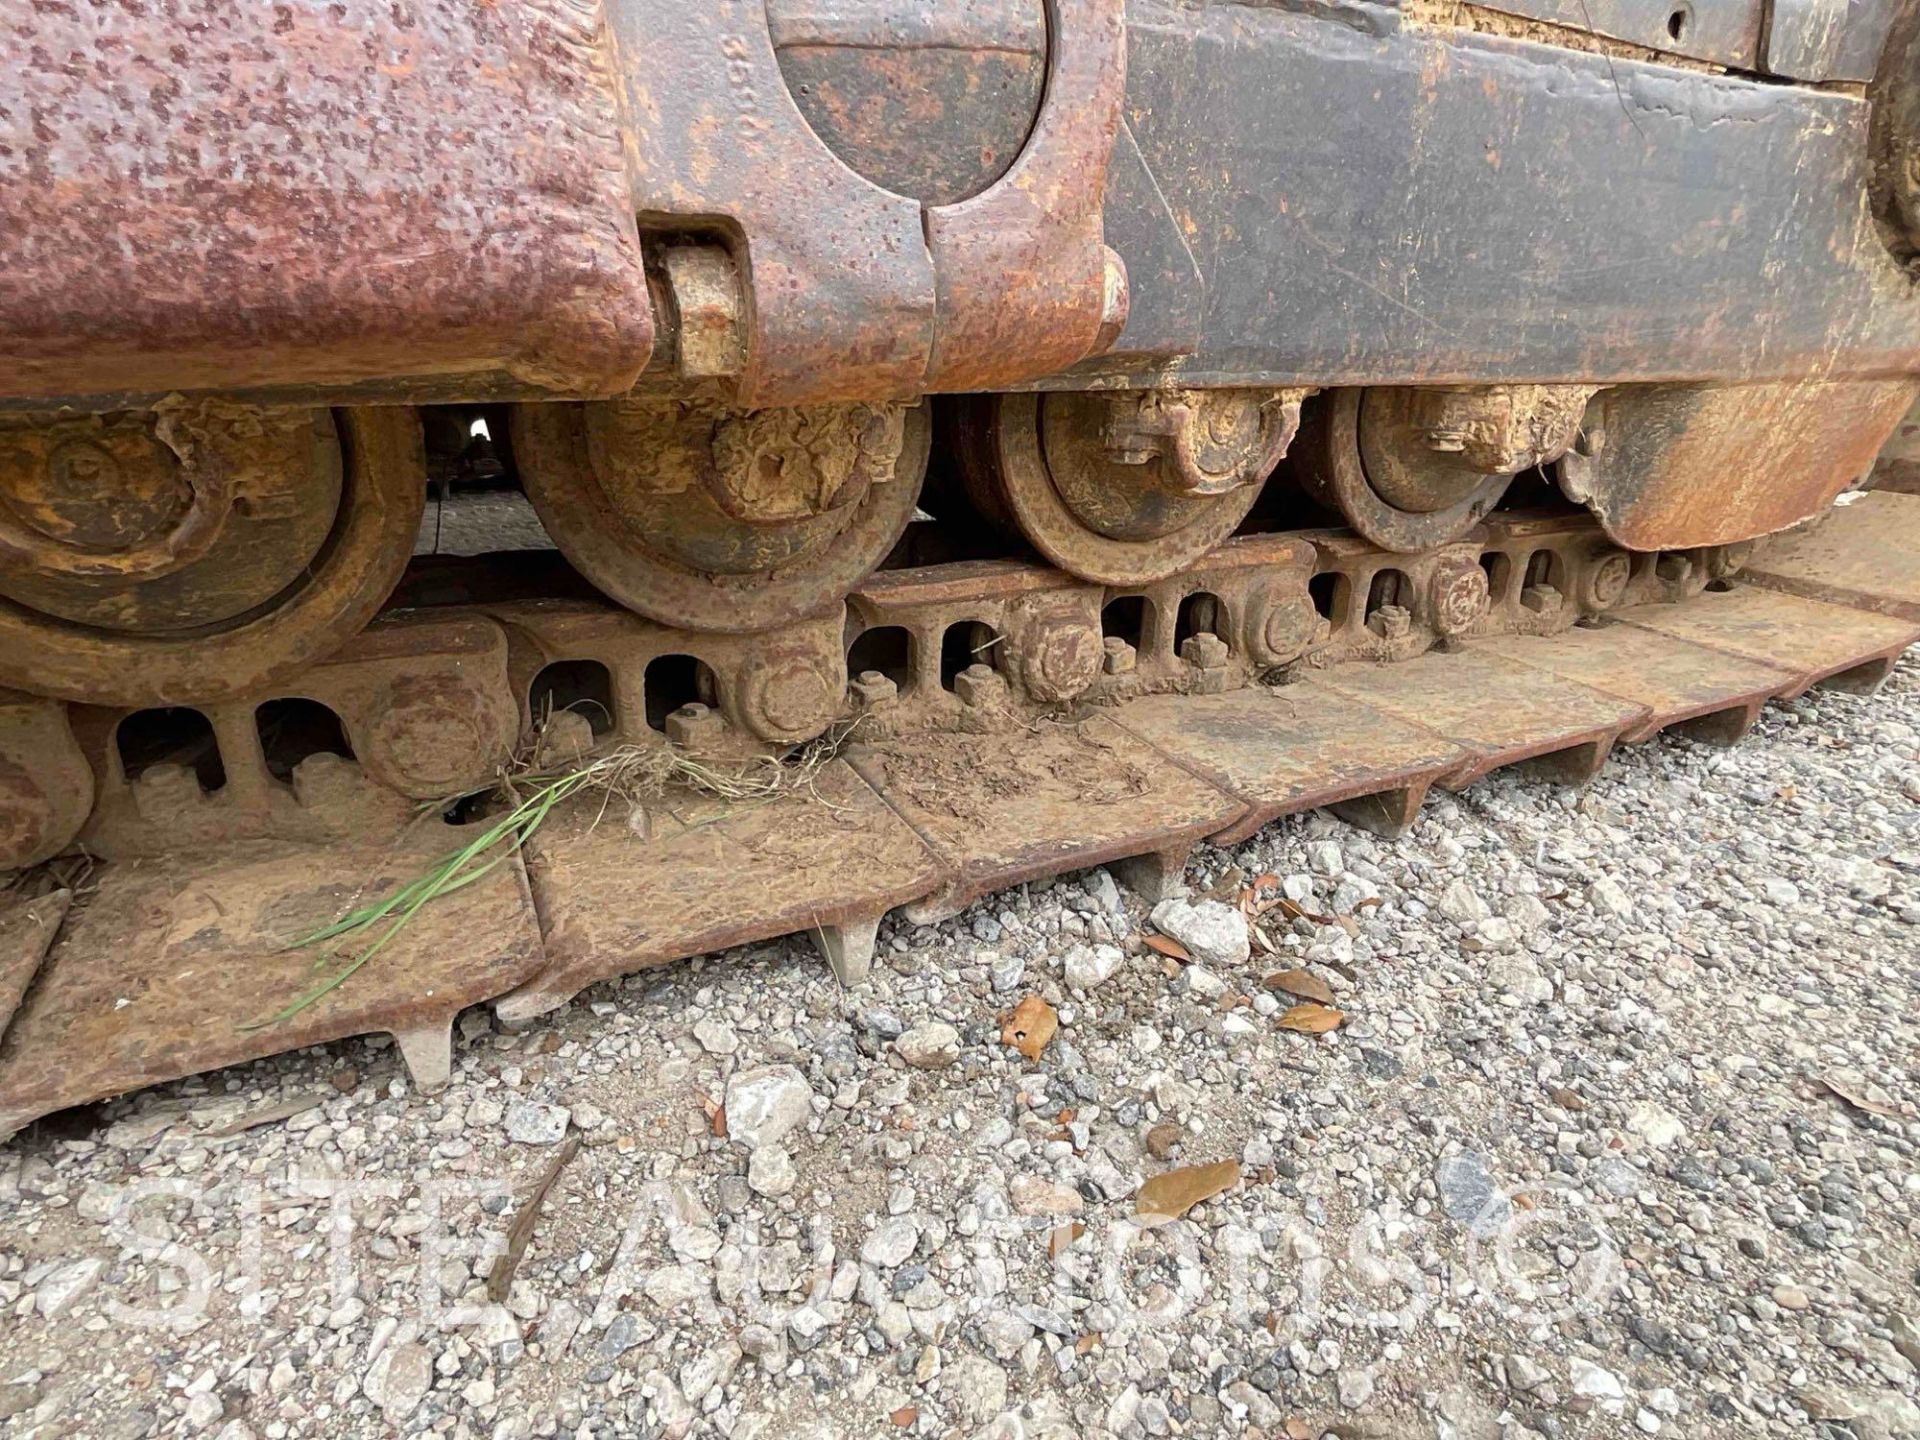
[439,201]
[383,471]
[168,965]
[1497,209]
[1672,466]
[208,196]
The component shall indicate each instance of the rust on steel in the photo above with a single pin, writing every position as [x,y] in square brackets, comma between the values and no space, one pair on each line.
[381,467]
[1100,498]
[408,199]
[924,816]
[1671,466]
[858,291]
[719,519]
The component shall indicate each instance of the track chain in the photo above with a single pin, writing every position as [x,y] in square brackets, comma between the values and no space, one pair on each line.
[999,722]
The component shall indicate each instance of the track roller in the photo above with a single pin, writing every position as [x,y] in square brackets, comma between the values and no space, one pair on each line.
[697,515]
[1411,468]
[1124,487]
[198,550]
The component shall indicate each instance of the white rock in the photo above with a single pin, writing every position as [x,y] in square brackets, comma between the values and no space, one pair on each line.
[716,1037]
[890,1242]
[530,1122]
[930,1046]
[1606,896]
[1459,902]
[61,1288]
[770,1171]
[670,1285]
[1087,966]
[1213,934]
[398,1380]
[765,1103]
[978,1387]
[1525,1374]
[1324,858]
[1203,984]
[1037,1195]
[1099,884]
[708,1370]
[1655,1124]
[204,1411]
[1598,1384]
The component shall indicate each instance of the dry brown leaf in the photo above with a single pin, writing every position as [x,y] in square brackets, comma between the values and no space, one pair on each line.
[1029,1027]
[1061,1236]
[1250,902]
[520,1232]
[1227,886]
[1297,912]
[904,1416]
[1086,1342]
[268,1114]
[716,1116]
[1167,946]
[1310,1019]
[1302,983]
[1174,1192]
[1567,1099]
[1161,1139]
[1857,1100]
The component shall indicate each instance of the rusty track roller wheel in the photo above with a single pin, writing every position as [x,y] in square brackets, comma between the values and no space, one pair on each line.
[198,551]
[1121,488]
[711,518]
[1411,468]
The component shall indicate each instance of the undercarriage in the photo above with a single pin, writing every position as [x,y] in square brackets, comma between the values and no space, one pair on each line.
[956,450]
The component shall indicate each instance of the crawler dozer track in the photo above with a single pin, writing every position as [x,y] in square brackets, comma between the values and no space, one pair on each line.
[971,442]
[176,943]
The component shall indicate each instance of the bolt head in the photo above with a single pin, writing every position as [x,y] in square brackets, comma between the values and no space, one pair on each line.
[872,690]
[1608,579]
[980,685]
[1541,599]
[1063,659]
[1459,599]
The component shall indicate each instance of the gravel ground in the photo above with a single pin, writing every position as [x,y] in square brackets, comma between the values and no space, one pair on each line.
[1617,1137]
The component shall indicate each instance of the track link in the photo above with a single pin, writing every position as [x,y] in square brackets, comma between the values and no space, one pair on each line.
[1018,724]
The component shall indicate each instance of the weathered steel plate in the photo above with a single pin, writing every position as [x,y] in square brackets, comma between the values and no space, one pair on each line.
[160,970]
[999,809]
[1860,554]
[313,199]
[1675,681]
[709,874]
[1495,709]
[1294,748]
[1816,640]
[27,928]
